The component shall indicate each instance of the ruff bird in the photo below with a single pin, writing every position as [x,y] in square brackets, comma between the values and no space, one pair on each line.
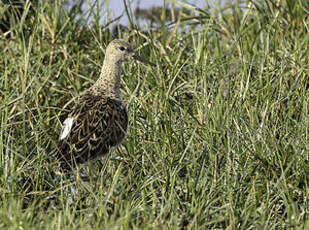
[99,119]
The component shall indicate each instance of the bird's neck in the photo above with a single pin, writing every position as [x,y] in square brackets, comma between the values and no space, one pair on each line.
[109,80]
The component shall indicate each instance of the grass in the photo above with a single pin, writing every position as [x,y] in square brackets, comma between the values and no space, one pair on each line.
[218,134]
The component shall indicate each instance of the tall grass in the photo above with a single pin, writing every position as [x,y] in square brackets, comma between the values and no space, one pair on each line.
[218,134]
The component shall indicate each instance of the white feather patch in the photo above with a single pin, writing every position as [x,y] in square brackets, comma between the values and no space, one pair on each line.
[68,123]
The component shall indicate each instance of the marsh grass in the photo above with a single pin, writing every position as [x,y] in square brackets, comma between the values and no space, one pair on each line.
[218,135]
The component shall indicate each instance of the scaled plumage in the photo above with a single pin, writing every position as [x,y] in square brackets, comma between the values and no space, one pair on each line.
[99,119]
[99,123]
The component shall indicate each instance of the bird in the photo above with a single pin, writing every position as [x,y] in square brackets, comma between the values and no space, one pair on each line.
[99,119]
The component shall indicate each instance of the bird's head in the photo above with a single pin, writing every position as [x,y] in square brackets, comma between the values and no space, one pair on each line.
[119,50]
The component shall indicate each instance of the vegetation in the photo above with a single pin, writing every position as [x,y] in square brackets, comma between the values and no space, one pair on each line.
[218,135]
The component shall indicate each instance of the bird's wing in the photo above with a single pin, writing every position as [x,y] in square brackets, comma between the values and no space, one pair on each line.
[95,124]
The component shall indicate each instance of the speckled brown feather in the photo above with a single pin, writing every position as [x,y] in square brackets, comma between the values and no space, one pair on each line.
[100,123]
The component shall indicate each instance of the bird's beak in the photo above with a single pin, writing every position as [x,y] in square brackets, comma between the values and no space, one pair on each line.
[141,59]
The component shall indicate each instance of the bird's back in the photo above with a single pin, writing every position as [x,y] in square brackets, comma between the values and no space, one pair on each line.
[97,123]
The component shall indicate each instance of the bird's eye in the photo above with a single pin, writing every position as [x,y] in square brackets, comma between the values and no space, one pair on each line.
[122,48]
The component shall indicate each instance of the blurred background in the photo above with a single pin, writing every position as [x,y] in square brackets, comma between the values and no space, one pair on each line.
[143,9]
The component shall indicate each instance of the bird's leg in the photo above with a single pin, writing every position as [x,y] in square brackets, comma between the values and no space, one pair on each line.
[77,174]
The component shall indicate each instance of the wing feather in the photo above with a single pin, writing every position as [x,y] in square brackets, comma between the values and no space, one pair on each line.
[99,123]
[68,123]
